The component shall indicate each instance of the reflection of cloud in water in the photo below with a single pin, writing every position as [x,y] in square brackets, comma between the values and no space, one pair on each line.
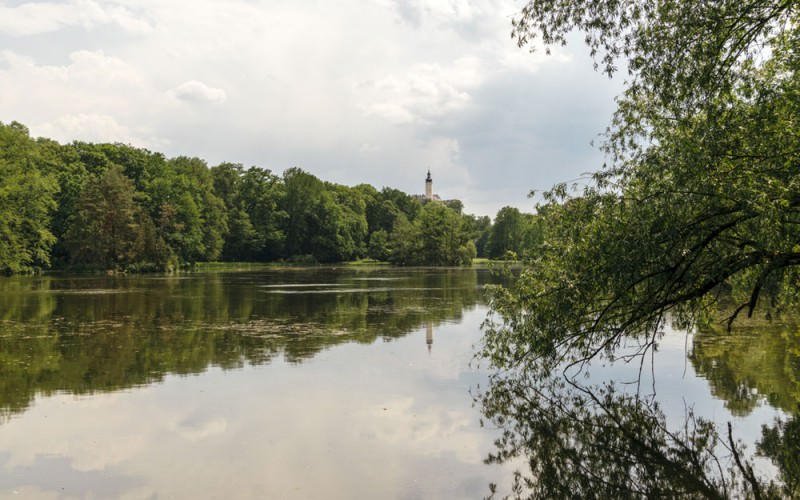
[197,429]
[402,425]
[93,291]
[263,432]
[39,438]
[55,477]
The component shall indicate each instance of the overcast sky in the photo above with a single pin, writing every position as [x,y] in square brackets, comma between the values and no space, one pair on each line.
[352,91]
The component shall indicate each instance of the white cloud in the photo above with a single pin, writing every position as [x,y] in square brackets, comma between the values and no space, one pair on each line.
[199,92]
[34,18]
[196,430]
[424,93]
[406,76]
[87,70]
[369,148]
[86,127]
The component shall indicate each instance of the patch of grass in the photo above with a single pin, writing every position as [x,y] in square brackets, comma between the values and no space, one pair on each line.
[366,262]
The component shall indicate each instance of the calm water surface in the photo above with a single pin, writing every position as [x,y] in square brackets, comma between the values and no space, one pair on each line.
[290,384]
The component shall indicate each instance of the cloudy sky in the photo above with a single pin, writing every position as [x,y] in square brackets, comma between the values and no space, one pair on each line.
[374,91]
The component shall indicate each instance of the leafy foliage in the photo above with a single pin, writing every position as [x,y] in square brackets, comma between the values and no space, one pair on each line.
[701,195]
[26,202]
[117,206]
[436,238]
[106,228]
[513,233]
[698,205]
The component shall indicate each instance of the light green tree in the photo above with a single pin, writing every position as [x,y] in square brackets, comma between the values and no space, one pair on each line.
[438,237]
[26,202]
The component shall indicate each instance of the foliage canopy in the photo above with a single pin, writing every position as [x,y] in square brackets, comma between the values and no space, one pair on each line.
[700,194]
[698,205]
[114,206]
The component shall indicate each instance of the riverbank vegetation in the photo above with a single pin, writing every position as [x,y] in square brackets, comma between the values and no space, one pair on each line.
[698,205]
[118,207]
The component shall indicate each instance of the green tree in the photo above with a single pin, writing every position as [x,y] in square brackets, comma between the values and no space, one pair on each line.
[303,197]
[701,193]
[108,226]
[262,194]
[379,246]
[26,202]
[699,199]
[478,228]
[242,241]
[436,238]
[507,233]
[190,217]
[409,206]
[405,244]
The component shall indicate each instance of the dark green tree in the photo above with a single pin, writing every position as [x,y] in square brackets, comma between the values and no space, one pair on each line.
[478,228]
[507,233]
[303,197]
[242,241]
[409,206]
[262,194]
[108,227]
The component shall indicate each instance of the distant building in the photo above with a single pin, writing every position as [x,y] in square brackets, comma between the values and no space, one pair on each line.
[428,196]
[429,187]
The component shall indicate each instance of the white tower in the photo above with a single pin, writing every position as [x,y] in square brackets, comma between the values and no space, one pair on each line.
[429,187]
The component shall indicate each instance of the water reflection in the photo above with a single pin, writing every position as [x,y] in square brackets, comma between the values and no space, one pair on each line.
[583,436]
[757,362]
[385,419]
[88,334]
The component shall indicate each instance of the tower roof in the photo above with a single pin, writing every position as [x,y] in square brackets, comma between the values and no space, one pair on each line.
[429,176]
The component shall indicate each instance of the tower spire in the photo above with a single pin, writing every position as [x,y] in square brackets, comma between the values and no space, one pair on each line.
[429,187]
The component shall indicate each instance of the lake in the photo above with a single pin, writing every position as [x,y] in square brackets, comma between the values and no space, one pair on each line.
[296,383]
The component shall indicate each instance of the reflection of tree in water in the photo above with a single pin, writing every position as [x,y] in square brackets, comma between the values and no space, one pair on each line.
[781,444]
[593,441]
[751,362]
[83,335]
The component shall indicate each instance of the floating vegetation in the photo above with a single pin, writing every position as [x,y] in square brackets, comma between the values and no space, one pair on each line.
[352,290]
[95,291]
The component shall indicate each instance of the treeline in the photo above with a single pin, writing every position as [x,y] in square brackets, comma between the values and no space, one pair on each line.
[113,206]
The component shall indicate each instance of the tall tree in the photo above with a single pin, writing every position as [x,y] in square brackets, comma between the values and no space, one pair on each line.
[190,217]
[507,233]
[26,202]
[303,197]
[262,194]
[108,226]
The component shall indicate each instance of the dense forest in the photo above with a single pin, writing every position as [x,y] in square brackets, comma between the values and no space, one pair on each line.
[114,206]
